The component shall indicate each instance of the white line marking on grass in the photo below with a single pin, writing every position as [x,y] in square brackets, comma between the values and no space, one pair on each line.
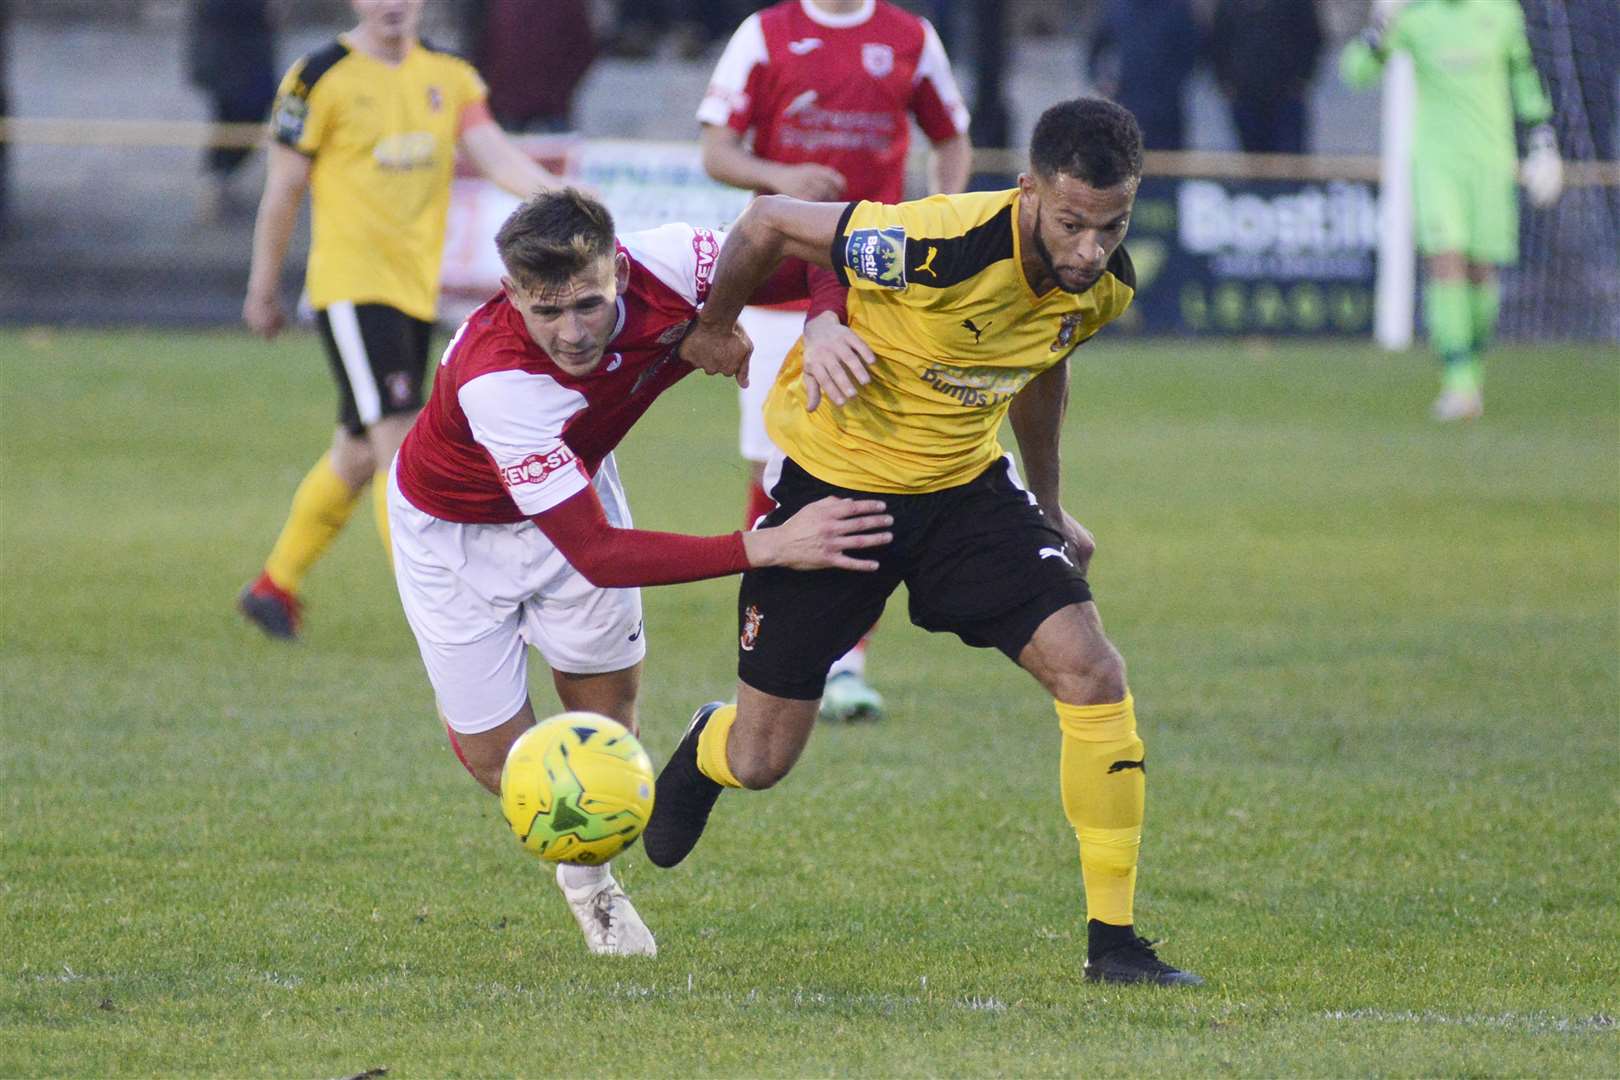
[982,1004]
[1517,1021]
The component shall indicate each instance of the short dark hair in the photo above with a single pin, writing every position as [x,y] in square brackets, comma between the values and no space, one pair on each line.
[553,236]
[1090,139]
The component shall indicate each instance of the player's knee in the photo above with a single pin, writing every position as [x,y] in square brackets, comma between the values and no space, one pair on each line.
[759,768]
[1096,677]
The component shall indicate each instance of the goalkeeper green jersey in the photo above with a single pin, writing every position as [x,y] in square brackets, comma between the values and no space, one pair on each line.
[1474,72]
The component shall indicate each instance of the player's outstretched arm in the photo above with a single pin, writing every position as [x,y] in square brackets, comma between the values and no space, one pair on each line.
[822,535]
[285,181]
[816,538]
[772,228]
[504,162]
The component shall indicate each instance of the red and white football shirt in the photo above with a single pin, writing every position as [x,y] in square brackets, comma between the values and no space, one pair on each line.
[837,90]
[507,434]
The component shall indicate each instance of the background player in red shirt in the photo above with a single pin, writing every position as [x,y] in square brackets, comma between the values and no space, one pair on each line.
[509,525]
[827,90]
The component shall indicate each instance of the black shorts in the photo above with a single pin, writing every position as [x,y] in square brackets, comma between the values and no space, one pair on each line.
[979,560]
[379,357]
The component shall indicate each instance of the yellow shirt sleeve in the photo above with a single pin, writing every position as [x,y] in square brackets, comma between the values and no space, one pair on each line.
[874,239]
[301,116]
[473,88]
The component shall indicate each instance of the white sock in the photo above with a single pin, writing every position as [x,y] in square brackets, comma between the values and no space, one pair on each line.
[573,876]
[851,663]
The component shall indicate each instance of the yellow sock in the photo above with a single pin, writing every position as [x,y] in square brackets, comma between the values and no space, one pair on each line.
[379,507]
[711,754]
[320,508]
[1104,774]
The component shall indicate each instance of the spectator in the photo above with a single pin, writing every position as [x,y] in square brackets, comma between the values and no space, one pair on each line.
[1142,54]
[231,57]
[692,25]
[1265,54]
[532,63]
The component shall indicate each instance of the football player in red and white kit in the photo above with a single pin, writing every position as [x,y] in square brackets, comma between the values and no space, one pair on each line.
[828,89]
[510,527]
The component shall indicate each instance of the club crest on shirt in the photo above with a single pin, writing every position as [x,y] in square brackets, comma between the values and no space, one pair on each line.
[435,99]
[750,631]
[878,255]
[1067,329]
[877,59]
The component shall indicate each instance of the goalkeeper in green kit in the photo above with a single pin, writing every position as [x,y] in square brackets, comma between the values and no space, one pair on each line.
[1474,73]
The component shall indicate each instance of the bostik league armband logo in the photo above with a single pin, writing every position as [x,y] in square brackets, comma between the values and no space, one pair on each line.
[287,119]
[536,467]
[878,255]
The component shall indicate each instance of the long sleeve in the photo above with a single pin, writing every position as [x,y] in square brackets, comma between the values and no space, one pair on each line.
[1530,101]
[614,558]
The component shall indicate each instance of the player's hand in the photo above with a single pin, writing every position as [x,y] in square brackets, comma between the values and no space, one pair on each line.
[1543,170]
[810,182]
[263,314]
[1082,545]
[717,350]
[836,361]
[1384,12]
[1383,16]
[821,536]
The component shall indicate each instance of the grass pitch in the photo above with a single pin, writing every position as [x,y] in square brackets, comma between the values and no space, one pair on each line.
[1377,664]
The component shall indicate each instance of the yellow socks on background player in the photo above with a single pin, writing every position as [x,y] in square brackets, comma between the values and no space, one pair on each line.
[1103,781]
[711,748]
[320,508]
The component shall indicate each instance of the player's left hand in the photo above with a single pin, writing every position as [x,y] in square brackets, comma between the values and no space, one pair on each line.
[1543,170]
[717,350]
[836,361]
[1082,545]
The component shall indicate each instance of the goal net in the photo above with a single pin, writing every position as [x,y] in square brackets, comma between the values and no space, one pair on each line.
[1566,286]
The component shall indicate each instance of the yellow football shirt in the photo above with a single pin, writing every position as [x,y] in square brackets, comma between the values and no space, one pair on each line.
[939,293]
[383,142]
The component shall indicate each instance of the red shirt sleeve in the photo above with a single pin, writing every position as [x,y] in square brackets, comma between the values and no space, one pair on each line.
[827,293]
[795,279]
[614,558]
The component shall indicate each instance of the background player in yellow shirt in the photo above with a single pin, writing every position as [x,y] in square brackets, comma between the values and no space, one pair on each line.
[369,126]
[971,305]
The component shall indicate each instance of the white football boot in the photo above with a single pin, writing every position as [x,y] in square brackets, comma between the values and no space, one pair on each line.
[1453,405]
[847,699]
[607,917]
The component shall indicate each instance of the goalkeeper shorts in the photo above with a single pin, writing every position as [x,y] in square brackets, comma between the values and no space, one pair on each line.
[1468,208]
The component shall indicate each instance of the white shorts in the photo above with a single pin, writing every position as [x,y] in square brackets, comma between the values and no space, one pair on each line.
[773,332]
[475,595]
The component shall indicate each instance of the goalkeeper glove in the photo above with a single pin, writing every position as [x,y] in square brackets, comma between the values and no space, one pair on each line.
[1383,16]
[1542,172]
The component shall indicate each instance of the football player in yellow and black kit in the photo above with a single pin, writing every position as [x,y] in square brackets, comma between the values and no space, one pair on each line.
[971,305]
[369,125]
